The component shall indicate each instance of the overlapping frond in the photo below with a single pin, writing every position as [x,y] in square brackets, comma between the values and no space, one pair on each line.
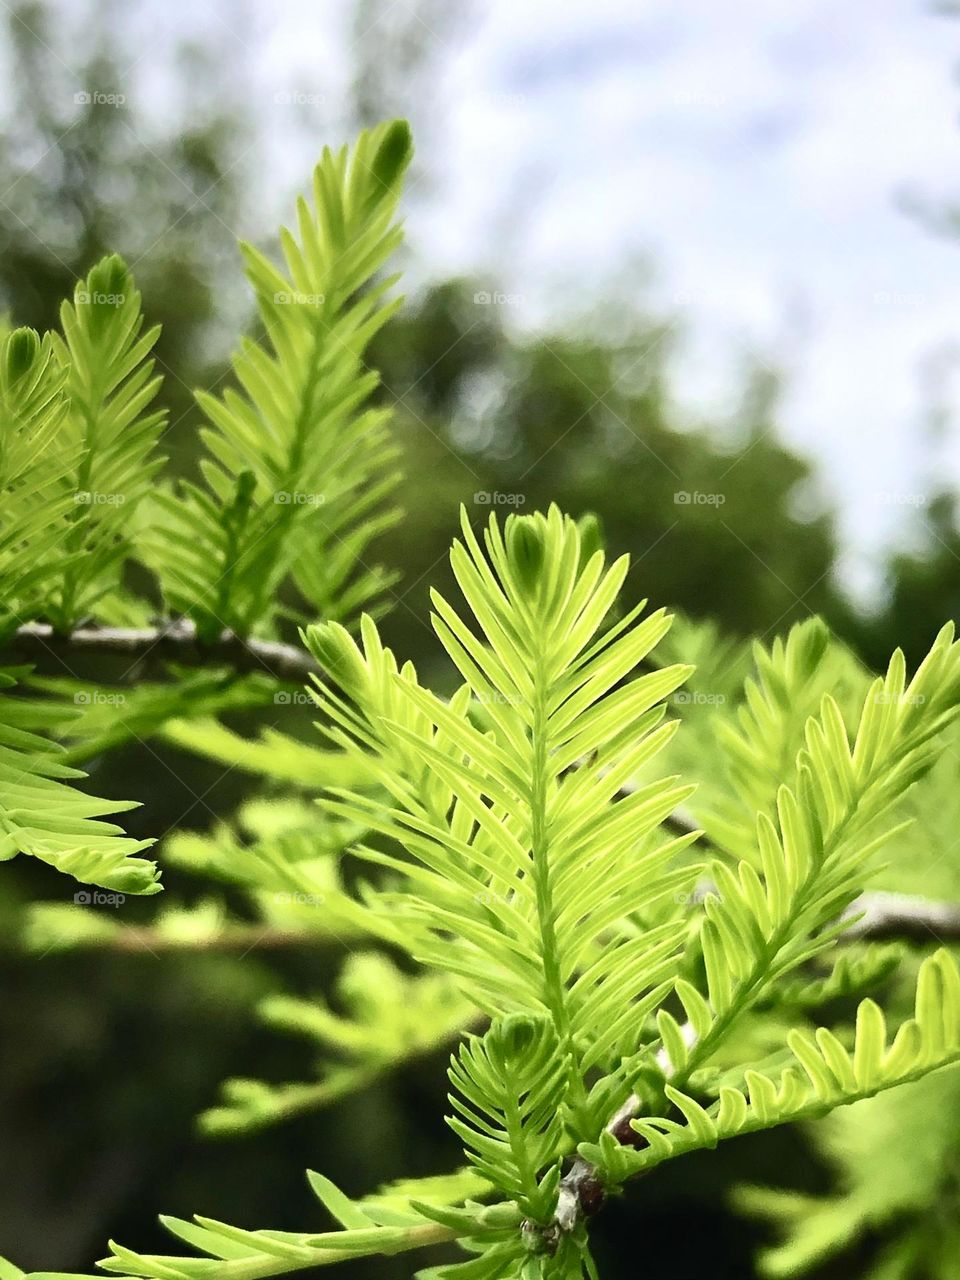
[509,795]
[104,717]
[298,463]
[285,857]
[43,816]
[397,1219]
[854,972]
[874,1196]
[815,850]
[369,1228]
[274,756]
[760,743]
[823,1075]
[505,1088]
[388,1017]
[704,705]
[109,429]
[34,452]
[57,927]
[894,1156]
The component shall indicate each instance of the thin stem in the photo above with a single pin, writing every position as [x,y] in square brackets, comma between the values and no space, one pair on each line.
[294,463]
[555,992]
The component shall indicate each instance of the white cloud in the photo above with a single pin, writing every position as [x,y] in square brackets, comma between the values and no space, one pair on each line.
[753,152]
[758,153]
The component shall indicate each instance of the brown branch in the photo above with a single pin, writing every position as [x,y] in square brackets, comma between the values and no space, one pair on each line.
[901,915]
[175,642]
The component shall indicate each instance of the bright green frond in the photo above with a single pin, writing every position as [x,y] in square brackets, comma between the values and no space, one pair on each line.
[759,745]
[854,972]
[507,1085]
[105,717]
[274,756]
[509,796]
[367,1228]
[285,856]
[35,451]
[298,463]
[823,1074]
[894,1155]
[51,926]
[110,434]
[43,816]
[816,849]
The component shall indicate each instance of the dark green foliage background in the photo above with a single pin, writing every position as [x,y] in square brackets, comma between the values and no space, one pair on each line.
[106,1061]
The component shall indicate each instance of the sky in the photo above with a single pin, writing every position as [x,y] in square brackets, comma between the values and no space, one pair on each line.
[758,155]
[762,157]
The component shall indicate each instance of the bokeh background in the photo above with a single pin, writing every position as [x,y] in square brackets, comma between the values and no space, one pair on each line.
[692,267]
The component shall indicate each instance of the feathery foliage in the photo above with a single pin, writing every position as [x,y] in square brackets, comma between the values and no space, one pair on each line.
[390,1017]
[890,1198]
[43,816]
[896,1213]
[382,1225]
[823,1075]
[505,1088]
[624,988]
[814,848]
[102,718]
[521,867]
[297,461]
[109,386]
[34,451]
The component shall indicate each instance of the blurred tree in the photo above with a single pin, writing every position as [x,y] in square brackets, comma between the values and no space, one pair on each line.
[719,518]
[923,584]
[573,415]
[85,169]
[922,571]
[86,172]
[528,420]
[398,55]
